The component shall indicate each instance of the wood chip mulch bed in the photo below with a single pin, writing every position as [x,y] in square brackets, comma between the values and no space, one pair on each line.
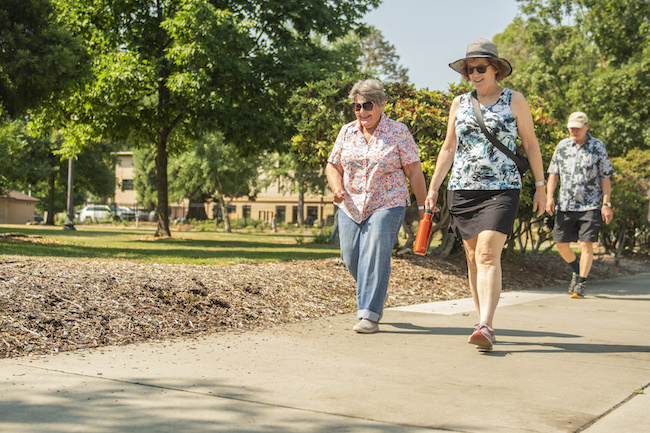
[54,305]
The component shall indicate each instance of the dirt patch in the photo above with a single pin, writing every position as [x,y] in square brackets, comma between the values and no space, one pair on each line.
[54,305]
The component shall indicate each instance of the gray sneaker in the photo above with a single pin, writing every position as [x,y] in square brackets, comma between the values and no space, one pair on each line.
[574,281]
[579,291]
[366,326]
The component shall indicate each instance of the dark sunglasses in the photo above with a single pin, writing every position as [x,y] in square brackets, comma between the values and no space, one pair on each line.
[368,106]
[480,69]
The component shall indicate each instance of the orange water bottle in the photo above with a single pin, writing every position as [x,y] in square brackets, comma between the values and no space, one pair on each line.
[421,244]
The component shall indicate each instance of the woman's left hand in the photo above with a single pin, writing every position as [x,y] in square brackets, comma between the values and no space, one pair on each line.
[339,195]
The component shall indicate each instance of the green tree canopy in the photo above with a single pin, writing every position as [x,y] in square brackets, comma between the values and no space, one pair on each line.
[39,57]
[380,59]
[170,71]
[212,169]
[32,163]
[591,56]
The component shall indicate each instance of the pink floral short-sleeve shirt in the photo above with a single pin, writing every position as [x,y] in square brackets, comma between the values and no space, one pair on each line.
[373,177]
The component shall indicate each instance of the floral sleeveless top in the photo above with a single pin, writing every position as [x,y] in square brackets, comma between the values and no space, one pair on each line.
[478,164]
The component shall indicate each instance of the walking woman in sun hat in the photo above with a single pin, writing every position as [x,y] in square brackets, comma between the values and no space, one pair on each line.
[483,188]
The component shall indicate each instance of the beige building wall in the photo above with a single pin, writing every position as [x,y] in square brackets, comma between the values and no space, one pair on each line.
[316,208]
[17,208]
[125,194]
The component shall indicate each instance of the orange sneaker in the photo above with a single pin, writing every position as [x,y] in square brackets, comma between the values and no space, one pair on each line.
[579,291]
[574,282]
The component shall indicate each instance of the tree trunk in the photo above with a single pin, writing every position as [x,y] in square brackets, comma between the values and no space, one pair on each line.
[334,236]
[448,239]
[621,244]
[51,191]
[541,235]
[224,214]
[164,129]
[411,216]
[301,201]
[515,238]
[162,229]
[196,210]
[446,245]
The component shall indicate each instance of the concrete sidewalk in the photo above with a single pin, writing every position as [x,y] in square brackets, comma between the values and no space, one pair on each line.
[560,365]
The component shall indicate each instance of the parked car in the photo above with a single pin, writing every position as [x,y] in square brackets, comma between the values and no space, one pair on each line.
[94,213]
[123,213]
[144,215]
[127,214]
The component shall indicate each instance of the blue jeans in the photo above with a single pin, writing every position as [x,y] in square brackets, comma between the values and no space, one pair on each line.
[366,249]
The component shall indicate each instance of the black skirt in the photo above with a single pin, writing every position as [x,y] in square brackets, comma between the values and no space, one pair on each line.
[475,211]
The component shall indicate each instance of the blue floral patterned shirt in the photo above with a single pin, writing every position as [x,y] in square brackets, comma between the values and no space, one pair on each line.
[581,169]
[478,165]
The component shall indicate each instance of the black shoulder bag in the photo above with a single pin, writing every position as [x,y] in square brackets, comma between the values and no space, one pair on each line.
[522,162]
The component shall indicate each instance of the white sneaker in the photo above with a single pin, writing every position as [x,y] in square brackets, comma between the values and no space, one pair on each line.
[366,326]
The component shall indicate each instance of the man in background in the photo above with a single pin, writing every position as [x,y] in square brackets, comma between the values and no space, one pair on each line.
[581,164]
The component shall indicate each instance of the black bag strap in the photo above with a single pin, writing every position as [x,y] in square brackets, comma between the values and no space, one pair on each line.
[502,147]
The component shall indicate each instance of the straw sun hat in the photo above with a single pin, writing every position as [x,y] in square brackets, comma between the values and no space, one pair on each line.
[481,48]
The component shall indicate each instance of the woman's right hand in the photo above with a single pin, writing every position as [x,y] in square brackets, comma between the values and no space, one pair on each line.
[431,201]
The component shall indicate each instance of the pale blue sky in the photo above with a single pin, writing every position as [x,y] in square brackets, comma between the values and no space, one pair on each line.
[430,34]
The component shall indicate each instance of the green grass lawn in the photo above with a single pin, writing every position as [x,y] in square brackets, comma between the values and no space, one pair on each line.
[192,247]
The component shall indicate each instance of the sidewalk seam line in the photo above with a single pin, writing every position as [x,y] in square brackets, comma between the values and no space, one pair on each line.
[612,409]
[244,400]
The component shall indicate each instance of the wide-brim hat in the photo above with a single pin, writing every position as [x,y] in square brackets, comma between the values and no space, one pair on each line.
[481,48]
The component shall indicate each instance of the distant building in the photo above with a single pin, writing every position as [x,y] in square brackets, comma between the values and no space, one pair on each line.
[125,194]
[17,208]
[317,208]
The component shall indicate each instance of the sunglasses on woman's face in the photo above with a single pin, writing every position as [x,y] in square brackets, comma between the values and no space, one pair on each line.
[368,106]
[480,69]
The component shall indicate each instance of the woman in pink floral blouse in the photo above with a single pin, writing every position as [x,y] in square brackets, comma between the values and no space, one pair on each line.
[368,169]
